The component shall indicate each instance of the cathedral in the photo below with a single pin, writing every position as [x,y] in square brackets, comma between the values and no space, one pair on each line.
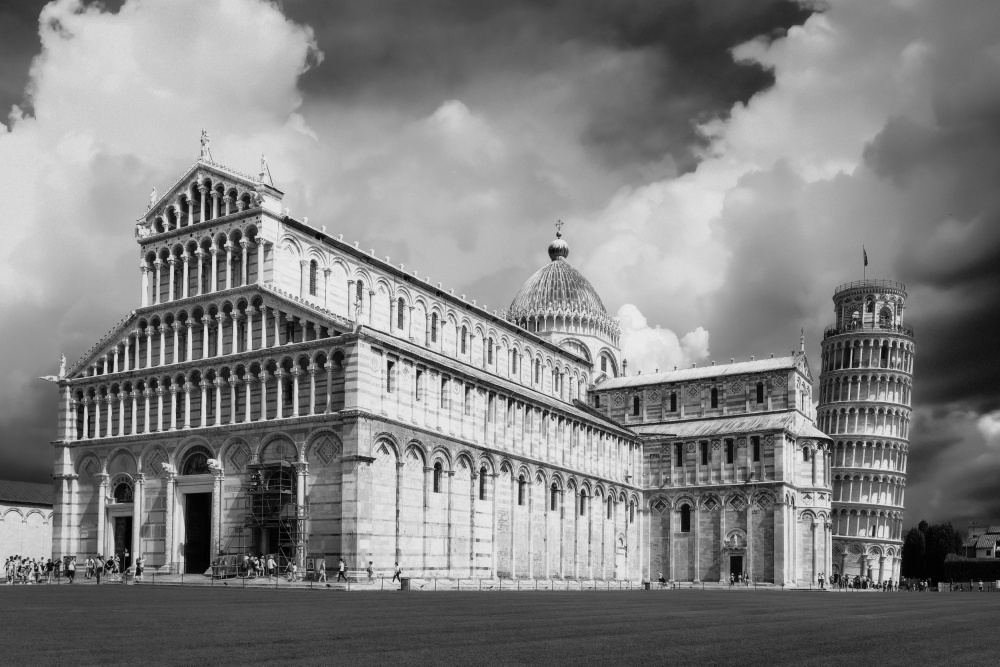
[281,391]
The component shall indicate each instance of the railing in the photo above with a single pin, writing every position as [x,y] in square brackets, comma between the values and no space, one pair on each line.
[834,330]
[871,282]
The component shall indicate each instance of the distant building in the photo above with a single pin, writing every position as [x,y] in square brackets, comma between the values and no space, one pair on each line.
[982,542]
[25,519]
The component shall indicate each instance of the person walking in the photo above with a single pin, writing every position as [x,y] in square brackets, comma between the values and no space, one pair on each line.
[321,570]
[138,569]
[340,571]
[272,567]
[98,568]
[371,573]
[397,573]
[71,569]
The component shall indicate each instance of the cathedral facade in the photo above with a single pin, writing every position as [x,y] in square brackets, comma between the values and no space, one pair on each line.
[281,391]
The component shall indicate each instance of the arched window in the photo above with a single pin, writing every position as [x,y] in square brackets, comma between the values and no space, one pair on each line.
[237,269]
[760,393]
[465,335]
[359,299]
[554,502]
[679,454]
[611,507]
[636,405]
[437,477]
[122,491]
[755,444]
[729,450]
[482,483]
[400,309]
[715,397]
[313,271]
[604,364]
[631,512]
[489,351]
[673,401]
[196,462]
[538,371]
[513,362]
[520,489]
[583,503]
[805,454]
[685,518]
[434,327]
[885,317]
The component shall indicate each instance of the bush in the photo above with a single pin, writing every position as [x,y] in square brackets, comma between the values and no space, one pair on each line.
[960,568]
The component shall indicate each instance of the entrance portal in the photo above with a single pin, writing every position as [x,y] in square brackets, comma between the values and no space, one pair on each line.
[123,540]
[198,532]
[736,566]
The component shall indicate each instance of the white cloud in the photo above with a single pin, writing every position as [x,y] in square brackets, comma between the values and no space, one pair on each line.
[649,349]
[989,426]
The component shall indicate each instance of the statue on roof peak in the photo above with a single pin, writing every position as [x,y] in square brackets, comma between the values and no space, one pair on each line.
[263,167]
[204,144]
[152,199]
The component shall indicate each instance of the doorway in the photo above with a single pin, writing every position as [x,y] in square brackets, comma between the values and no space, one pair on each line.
[198,532]
[123,540]
[736,566]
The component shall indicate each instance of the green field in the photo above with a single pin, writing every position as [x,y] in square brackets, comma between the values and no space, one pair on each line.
[135,625]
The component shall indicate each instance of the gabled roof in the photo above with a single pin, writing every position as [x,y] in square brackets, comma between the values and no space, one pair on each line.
[794,362]
[25,493]
[203,164]
[987,541]
[790,421]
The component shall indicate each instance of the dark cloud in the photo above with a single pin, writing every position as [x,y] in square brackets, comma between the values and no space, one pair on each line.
[666,65]
[19,43]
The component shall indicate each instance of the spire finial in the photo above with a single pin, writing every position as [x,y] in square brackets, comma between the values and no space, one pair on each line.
[205,154]
[559,226]
[802,340]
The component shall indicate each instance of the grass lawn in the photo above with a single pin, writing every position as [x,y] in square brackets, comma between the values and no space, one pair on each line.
[136,625]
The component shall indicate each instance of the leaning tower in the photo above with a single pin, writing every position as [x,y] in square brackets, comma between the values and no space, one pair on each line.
[864,405]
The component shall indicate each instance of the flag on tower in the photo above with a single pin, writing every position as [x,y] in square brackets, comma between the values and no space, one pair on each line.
[865,253]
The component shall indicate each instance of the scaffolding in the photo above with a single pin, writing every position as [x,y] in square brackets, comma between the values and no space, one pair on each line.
[277,523]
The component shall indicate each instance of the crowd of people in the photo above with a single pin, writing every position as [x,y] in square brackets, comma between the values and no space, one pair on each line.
[24,570]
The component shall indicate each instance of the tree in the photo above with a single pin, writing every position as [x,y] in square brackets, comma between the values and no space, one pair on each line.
[914,547]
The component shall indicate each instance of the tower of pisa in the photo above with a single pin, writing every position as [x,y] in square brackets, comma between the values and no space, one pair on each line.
[864,405]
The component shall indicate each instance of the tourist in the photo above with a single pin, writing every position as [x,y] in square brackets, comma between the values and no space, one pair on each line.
[321,569]
[371,573]
[732,579]
[663,582]
[98,566]
[340,571]
[138,569]
[48,571]
[71,569]
[398,571]
[291,571]
[980,585]
[272,567]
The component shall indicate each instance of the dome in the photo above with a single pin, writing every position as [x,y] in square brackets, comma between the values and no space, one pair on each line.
[557,288]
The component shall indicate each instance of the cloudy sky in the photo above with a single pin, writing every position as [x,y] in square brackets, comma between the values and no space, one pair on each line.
[718,163]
